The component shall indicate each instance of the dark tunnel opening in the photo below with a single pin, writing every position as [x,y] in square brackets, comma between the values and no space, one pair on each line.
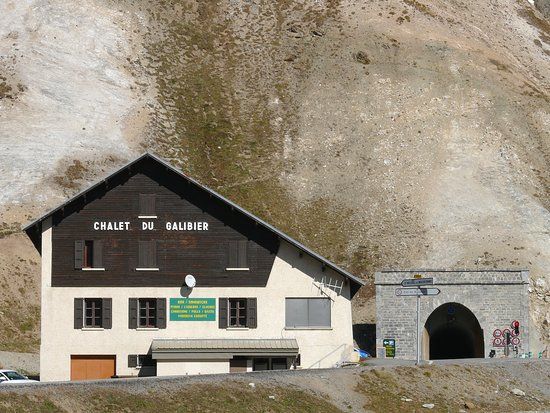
[454,332]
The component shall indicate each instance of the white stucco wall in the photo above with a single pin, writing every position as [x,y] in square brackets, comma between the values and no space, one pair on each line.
[291,276]
[176,367]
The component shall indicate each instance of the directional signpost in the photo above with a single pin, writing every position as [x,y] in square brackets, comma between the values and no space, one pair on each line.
[419,289]
[417,282]
[416,291]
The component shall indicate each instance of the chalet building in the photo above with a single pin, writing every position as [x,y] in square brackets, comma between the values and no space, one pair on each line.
[150,273]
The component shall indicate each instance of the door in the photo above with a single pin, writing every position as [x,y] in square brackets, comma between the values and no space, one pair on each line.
[237,365]
[92,367]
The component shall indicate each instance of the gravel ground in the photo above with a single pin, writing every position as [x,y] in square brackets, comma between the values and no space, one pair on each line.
[25,362]
[485,386]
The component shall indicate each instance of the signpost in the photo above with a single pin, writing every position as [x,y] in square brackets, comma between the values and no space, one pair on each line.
[411,292]
[417,282]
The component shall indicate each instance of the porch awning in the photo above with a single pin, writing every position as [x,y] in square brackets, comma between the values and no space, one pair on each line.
[194,349]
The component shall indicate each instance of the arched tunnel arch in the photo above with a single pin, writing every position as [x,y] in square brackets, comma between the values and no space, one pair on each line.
[452,331]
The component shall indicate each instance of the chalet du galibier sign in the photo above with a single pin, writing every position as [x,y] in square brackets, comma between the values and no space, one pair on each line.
[150,225]
[192,309]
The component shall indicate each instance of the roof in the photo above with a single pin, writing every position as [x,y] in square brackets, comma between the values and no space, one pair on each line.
[201,344]
[174,349]
[33,229]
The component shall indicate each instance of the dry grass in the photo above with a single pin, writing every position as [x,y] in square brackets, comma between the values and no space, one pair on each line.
[422,8]
[73,174]
[448,387]
[231,398]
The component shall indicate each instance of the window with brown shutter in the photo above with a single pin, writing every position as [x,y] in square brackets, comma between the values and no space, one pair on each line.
[147,255]
[237,255]
[237,312]
[147,313]
[92,313]
[147,206]
[88,254]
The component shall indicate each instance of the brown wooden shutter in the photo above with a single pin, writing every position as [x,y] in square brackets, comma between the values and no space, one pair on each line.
[132,313]
[152,260]
[98,254]
[132,360]
[78,313]
[78,254]
[147,254]
[161,313]
[222,312]
[142,253]
[243,254]
[232,254]
[251,313]
[147,204]
[107,313]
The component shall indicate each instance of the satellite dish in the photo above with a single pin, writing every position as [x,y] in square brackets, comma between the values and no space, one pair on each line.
[190,281]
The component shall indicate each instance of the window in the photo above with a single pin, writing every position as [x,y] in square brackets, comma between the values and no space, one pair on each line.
[141,360]
[88,258]
[147,259]
[279,363]
[237,255]
[93,312]
[147,206]
[147,313]
[270,363]
[237,312]
[88,254]
[260,364]
[307,313]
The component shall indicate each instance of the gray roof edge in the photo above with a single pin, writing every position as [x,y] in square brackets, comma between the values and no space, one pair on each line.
[271,228]
[382,271]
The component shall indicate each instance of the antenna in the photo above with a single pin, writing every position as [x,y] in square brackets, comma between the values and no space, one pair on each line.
[190,281]
[331,284]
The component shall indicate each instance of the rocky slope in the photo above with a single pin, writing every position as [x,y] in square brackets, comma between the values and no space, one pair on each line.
[397,133]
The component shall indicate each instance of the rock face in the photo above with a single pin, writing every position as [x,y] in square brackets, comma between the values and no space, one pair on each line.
[518,392]
[544,7]
[403,133]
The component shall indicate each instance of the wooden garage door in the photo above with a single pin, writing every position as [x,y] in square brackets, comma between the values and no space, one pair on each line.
[92,367]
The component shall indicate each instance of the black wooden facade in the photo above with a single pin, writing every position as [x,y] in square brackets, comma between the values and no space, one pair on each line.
[203,253]
[216,237]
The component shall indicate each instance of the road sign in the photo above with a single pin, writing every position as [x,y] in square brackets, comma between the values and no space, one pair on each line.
[416,292]
[389,345]
[415,282]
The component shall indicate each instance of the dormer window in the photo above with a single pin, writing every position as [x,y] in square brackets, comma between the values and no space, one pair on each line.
[147,206]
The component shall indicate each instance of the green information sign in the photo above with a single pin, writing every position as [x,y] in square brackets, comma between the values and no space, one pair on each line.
[389,344]
[192,309]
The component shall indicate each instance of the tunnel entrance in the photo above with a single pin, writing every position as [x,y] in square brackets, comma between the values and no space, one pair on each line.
[453,332]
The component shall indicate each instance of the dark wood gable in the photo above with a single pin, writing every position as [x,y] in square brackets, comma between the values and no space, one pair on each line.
[148,188]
